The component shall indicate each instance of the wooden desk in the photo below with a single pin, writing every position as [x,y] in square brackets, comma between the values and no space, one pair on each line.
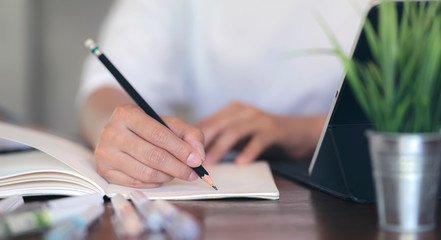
[300,213]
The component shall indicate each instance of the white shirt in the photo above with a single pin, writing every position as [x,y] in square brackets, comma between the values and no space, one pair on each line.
[200,55]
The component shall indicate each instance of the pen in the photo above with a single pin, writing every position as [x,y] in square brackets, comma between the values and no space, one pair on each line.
[177,223]
[152,217]
[23,222]
[126,221]
[10,204]
[200,171]
[75,227]
[66,202]
[161,214]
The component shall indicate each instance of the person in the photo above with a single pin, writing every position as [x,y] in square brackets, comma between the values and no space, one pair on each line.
[231,69]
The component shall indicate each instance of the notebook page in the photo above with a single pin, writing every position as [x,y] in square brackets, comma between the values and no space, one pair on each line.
[37,173]
[73,155]
[233,181]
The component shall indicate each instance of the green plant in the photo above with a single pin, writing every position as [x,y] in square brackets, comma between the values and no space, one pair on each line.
[399,89]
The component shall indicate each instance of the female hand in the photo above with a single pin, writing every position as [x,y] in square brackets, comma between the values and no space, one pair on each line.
[237,122]
[137,151]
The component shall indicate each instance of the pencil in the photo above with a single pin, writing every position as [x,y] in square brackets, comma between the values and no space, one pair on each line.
[89,43]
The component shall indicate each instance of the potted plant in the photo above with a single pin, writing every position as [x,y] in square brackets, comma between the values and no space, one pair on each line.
[399,89]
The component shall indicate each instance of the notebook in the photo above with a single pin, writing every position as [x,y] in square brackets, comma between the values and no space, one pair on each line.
[57,166]
[341,164]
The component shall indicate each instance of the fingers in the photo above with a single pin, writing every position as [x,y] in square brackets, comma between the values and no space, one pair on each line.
[117,177]
[188,133]
[114,168]
[131,166]
[254,148]
[135,150]
[149,157]
[224,119]
[236,123]
[155,133]
[228,139]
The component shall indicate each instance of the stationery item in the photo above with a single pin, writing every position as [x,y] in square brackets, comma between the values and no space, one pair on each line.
[76,227]
[10,204]
[67,202]
[177,223]
[160,214]
[23,222]
[153,218]
[202,173]
[61,167]
[127,222]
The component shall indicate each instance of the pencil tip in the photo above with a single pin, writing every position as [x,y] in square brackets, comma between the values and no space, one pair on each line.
[215,188]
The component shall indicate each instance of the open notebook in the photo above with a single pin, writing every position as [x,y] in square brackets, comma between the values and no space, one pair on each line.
[62,167]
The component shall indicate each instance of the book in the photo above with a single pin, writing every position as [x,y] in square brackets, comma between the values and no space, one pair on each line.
[59,166]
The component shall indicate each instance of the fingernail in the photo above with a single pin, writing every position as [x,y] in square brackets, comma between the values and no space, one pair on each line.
[194,160]
[193,176]
[200,149]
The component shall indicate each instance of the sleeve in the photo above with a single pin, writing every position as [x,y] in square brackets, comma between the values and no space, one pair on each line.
[139,38]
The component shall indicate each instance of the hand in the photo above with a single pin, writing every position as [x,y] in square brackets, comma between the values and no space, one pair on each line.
[237,122]
[137,151]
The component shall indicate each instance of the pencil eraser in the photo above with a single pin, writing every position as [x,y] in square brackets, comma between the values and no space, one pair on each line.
[89,43]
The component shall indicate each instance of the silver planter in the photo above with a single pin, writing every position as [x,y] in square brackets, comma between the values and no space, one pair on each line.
[406,170]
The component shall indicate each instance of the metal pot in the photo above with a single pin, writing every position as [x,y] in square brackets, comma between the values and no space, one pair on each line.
[406,171]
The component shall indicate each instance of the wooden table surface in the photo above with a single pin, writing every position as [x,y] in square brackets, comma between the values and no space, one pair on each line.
[300,213]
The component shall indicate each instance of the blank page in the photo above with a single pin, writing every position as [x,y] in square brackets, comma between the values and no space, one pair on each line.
[233,181]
